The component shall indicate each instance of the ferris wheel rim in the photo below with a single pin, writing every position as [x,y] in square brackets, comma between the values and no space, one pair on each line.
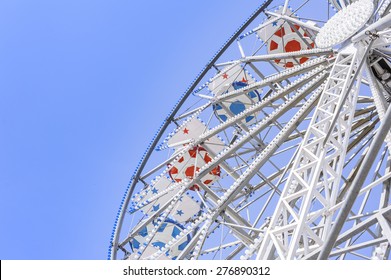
[112,251]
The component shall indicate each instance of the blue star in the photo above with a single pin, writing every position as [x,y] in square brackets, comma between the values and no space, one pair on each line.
[156,207]
[154,191]
[179,212]
[143,232]
[135,244]
[180,199]
[275,23]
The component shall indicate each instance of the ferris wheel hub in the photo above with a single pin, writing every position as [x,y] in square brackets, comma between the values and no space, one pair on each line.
[345,24]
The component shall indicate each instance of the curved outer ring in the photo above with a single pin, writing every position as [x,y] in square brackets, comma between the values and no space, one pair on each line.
[112,253]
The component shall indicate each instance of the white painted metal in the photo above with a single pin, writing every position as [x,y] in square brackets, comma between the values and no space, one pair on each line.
[283,176]
[313,183]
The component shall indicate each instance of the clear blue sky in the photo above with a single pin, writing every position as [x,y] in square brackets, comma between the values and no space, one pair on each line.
[84,85]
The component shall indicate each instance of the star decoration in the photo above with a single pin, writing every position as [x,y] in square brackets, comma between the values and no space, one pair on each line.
[275,23]
[186,131]
[225,76]
[156,207]
[154,191]
[179,212]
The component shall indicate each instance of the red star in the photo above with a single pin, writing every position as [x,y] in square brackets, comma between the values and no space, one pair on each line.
[244,80]
[186,131]
[225,76]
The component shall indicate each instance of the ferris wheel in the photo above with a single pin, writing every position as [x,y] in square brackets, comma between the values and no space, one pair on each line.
[279,149]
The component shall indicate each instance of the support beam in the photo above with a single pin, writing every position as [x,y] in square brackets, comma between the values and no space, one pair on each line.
[357,185]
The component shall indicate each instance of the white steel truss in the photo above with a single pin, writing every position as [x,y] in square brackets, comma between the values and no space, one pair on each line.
[310,193]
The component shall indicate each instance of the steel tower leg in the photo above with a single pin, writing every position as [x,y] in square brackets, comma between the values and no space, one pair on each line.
[312,187]
[357,184]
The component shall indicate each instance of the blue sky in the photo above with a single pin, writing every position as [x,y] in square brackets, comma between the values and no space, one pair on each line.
[84,85]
